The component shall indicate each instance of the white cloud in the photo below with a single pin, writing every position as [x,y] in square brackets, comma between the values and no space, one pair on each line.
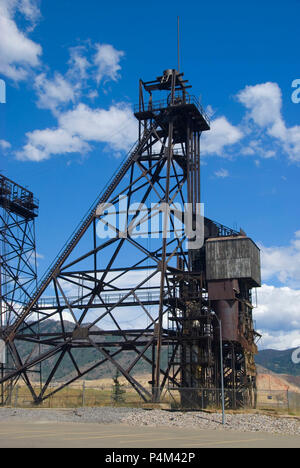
[18,53]
[278,309]
[30,9]
[248,151]
[5,145]
[53,93]
[222,174]
[258,148]
[278,313]
[262,132]
[98,62]
[107,60]
[42,144]
[93,94]
[77,128]
[77,123]
[282,263]
[221,135]
[115,126]
[279,340]
[292,143]
[78,63]
[264,104]
[84,67]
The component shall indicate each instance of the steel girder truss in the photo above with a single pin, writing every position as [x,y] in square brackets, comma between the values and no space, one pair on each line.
[18,267]
[114,295]
[239,391]
[18,263]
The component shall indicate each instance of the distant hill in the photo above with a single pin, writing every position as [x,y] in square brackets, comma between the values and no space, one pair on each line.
[270,381]
[279,362]
[85,358]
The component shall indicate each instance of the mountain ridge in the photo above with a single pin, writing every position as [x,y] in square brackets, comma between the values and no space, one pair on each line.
[276,361]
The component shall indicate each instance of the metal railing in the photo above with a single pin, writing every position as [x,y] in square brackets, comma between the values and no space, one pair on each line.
[179,101]
[12,193]
[112,298]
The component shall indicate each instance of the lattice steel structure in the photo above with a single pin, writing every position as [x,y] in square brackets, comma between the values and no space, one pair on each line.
[130,281]
[18,269]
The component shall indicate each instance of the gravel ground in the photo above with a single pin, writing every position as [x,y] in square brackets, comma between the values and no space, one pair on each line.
[152,418]
[201,420]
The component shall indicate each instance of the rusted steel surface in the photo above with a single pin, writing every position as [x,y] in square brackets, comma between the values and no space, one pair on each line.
[228,313]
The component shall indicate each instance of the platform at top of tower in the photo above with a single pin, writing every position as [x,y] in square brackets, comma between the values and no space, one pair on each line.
[17,199]
[174,100]
[187,106]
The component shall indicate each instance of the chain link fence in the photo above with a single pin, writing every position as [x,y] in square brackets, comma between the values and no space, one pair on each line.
[85,395]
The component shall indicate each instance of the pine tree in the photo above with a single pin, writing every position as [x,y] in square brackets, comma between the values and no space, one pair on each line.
[117,391]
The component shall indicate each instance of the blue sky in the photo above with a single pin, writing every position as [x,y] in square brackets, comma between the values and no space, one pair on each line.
[72,71]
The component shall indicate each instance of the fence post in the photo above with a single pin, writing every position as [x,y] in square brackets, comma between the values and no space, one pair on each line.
[10,390]
[16,396]
[83,393]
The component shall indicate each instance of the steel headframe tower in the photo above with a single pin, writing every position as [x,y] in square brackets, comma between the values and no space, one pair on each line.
[18,271]
[129,285]
[123,287]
